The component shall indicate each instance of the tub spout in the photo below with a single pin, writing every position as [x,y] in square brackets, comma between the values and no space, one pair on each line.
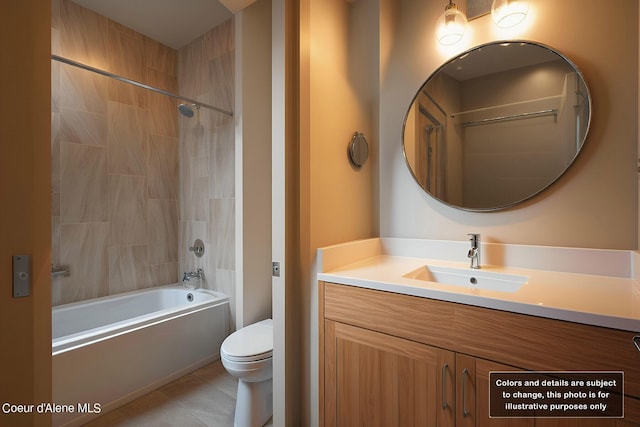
[187,276]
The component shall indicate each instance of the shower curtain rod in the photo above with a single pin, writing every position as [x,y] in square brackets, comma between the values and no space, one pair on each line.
[138,84]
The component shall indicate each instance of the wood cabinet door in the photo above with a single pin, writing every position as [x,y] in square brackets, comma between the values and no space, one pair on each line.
[483,367]
[373,379]
[473,395]
[583,422]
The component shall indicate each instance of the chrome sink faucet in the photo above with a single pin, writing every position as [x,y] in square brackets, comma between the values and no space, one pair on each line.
[474,251]
[187,276]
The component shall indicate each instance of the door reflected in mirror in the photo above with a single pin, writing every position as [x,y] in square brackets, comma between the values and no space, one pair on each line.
[496,125]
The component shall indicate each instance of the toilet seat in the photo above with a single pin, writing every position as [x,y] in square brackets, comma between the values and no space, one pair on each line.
[251,343]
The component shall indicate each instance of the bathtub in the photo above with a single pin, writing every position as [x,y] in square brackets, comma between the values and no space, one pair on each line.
[111,350]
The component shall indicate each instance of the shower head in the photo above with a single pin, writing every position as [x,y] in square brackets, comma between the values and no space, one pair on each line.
[187,110]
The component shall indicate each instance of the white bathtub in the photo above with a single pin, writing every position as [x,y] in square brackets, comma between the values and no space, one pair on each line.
[111,350]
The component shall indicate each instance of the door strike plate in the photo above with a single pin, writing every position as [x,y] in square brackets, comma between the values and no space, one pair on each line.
[21,275]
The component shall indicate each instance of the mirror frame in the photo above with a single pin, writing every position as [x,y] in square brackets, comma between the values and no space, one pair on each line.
[544,187]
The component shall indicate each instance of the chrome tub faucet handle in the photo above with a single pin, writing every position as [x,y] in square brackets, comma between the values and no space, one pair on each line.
[187,276]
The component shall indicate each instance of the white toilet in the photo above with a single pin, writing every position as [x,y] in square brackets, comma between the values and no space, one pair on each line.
[247,354]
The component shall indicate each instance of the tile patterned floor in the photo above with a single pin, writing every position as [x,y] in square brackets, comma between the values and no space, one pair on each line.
[203,398]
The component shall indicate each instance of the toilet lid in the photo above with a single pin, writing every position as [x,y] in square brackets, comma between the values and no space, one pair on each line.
[253,342]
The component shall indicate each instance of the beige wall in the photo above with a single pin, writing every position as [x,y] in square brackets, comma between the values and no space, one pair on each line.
[338,72]
[594,204]
[286,288]
[25,196]
[253,163]
[341,87]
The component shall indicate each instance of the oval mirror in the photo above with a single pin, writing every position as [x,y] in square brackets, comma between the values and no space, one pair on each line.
[496,125]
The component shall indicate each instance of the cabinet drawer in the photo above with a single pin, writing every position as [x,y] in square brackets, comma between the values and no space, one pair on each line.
[513,339]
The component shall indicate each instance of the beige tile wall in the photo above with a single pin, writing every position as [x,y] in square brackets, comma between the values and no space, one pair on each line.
[115,159]
[134,183]
[207,152]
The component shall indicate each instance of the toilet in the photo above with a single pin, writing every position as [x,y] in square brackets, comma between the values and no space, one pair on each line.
[247,354]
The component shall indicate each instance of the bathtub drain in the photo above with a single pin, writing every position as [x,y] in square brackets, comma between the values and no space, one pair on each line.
[189,297]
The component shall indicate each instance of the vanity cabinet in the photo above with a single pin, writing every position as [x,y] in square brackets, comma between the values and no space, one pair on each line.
[377,379]
[374,379]
[388,359]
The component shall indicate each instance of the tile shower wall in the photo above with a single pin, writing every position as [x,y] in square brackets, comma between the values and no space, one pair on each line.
[207,152]
[123,217]
[114,159]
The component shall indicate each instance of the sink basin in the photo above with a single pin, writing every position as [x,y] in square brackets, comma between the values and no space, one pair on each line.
[475,279]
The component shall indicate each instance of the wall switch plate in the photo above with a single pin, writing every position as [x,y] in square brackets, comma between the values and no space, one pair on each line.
[21,275]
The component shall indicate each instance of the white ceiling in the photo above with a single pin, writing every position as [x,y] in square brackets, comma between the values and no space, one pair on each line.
[174,23]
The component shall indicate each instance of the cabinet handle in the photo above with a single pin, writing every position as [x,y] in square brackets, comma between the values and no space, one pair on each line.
[464,392]
[444,386]
[636,341]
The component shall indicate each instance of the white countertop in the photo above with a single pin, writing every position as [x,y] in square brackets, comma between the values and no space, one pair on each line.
[610,300]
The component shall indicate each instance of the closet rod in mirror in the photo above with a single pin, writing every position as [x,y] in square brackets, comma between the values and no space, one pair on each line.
[512,117]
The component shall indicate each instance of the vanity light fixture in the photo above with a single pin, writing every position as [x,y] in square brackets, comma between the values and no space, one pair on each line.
[451,25]
[509,13]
